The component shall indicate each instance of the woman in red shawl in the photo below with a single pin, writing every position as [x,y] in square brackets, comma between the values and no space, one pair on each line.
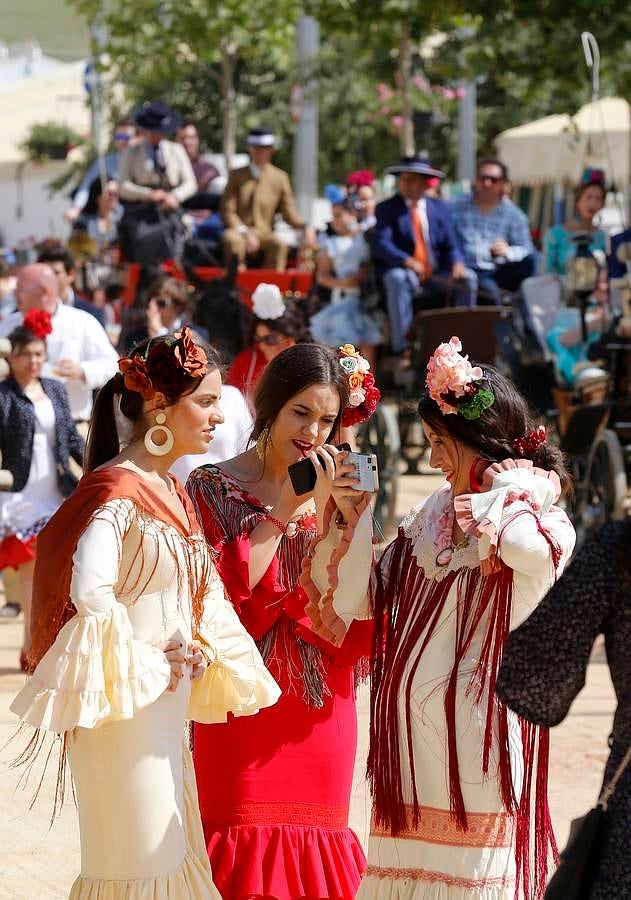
[132,633]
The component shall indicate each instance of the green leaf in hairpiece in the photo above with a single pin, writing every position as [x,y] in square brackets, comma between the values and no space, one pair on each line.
[474,408]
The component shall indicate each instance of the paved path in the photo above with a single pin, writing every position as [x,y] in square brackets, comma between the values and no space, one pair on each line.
[39,862]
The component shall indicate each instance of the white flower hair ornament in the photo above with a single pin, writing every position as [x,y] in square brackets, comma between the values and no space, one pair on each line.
[455,385]
[267,302]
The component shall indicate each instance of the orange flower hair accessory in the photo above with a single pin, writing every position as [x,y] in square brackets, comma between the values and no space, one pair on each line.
[364,395]
[165,366]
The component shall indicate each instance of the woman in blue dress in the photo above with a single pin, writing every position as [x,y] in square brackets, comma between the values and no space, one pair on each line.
[559,246]
[341,266]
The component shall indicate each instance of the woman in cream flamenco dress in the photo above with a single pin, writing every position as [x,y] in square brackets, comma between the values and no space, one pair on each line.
[459,783]
[152,642]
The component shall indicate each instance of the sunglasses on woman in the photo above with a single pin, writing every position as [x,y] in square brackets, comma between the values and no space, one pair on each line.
[270,339]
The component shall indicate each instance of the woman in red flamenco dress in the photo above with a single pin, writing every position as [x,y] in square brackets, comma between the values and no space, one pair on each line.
[274,791]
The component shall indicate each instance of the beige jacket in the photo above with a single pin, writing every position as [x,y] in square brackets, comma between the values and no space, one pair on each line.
[137,176]
[254,203]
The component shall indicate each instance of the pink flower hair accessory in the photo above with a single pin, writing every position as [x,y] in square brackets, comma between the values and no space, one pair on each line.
[454,384]
[363,394]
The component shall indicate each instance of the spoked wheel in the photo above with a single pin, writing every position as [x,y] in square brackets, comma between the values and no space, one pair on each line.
[604,487]
[380,435]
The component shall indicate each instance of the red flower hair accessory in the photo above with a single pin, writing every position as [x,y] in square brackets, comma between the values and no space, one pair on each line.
[165,366]
[39,323]
[530,442]
[363,395]
[360,178]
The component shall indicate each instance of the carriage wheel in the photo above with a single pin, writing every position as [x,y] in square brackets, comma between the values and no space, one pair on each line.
[605,486]
[380,435]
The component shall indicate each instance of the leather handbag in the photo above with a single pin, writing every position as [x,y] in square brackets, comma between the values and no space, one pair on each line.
[579,860]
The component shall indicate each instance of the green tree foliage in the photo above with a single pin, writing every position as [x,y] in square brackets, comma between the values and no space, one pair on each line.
[230,66]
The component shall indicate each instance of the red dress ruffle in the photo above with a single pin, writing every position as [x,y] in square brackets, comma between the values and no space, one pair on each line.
[15,552]
[274,789]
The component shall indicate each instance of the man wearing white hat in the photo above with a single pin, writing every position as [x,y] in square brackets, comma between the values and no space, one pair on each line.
[253,197]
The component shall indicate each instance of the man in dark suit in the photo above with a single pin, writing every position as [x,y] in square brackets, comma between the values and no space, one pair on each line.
[61,261]
[414,246]
[167,308]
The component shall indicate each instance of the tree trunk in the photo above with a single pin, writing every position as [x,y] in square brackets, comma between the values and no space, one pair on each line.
[403,78]
[228,102]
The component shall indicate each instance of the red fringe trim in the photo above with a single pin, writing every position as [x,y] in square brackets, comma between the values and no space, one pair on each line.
[408,607]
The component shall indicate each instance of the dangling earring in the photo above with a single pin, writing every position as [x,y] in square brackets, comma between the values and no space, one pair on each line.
[150,444]
[261,443]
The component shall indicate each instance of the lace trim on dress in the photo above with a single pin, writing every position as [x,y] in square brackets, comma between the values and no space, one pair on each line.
[438,877]
[437,826]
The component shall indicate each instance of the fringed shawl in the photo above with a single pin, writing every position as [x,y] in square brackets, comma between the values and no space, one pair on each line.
[272,610]
[56,544]
[408,607]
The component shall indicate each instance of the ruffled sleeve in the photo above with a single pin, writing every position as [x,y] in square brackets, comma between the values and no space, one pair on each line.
[260,607]
[235,679]
[516,522]
[336,575]
[96,671]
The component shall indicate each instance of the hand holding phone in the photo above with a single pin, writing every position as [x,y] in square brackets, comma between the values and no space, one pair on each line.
[303,474]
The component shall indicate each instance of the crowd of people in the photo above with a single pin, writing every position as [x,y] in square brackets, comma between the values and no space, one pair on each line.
[376,263]
[252,609]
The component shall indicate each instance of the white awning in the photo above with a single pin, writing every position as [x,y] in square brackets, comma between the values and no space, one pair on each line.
[557,148]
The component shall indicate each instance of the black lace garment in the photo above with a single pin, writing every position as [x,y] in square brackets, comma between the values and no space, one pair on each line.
[544,667]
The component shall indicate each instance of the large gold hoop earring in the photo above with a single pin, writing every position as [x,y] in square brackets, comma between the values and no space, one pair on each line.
[261,443]
[169,440]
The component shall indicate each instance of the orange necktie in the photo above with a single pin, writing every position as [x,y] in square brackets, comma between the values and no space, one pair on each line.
[420,247]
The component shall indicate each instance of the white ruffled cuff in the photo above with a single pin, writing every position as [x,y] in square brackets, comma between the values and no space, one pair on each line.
[235,679]
[336,576]
[508,487]
[94,672]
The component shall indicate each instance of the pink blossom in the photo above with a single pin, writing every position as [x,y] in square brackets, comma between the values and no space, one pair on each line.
[461,92]
[449,93]
[449,373]
[385,110]
[397,121]
[383,92]
[421,83]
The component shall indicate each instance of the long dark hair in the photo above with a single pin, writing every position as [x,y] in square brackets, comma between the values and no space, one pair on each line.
[291,372]
[493,434]
[103,442]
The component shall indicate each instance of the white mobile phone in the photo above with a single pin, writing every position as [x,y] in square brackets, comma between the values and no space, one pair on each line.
[366,471]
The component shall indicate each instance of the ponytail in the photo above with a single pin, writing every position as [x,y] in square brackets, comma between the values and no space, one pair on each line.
[103,442]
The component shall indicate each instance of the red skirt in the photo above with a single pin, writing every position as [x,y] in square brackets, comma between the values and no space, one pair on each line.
[14,552]
[274,793]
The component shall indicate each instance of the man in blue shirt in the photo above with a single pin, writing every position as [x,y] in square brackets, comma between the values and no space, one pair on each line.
[494,235]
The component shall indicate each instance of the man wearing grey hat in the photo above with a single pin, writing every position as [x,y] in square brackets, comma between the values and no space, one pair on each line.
[414,246]
[253,196]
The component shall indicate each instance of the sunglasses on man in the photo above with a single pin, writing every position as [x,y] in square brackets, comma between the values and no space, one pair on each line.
[162,302]
[269,339]
[494,179]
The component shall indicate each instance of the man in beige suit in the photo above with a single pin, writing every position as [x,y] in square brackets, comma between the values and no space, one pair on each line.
[156,170]
[251,200]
